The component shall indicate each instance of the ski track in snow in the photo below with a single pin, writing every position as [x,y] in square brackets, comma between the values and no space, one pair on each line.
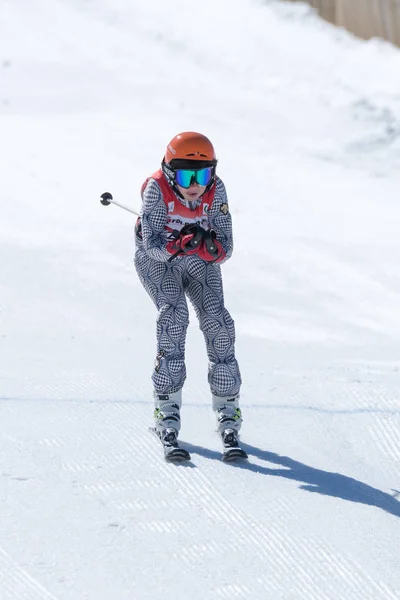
[17,584]
[150,504]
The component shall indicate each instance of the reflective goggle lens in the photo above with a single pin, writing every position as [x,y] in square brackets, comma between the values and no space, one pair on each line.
[185,177]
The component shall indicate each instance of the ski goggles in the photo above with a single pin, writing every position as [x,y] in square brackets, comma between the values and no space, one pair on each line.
[186,177]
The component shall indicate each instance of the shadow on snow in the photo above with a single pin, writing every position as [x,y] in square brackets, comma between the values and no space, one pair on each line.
[313,480]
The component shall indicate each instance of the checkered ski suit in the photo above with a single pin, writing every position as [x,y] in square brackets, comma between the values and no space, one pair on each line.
[168,283]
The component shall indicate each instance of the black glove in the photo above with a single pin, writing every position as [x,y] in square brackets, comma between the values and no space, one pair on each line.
[187,241]
[211,250]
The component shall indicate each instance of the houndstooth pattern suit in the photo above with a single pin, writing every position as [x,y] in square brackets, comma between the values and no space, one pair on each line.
[170,283]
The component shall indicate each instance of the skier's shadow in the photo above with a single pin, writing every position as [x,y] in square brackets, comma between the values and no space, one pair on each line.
[313,480]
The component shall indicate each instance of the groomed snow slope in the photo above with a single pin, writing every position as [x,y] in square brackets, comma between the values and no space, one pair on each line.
[306,123]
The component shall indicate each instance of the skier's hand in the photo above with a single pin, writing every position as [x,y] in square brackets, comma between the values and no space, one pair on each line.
[188,242]
[211,250]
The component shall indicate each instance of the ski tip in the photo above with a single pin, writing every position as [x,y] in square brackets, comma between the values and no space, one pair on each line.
[234,454]
[180,456]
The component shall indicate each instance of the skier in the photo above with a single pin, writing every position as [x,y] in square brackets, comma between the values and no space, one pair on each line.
[183,235]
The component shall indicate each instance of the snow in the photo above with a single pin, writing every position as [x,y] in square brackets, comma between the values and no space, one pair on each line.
[306,122]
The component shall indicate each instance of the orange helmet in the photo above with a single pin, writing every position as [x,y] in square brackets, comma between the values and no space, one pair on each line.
[190,145]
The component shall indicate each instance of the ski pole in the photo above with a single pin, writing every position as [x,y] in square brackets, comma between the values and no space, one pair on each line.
[107,199]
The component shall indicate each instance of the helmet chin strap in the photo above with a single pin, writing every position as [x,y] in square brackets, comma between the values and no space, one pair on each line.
[177,192]
[170,176]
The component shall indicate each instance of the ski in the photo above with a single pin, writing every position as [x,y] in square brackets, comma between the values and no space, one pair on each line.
[231,449]
[172,451]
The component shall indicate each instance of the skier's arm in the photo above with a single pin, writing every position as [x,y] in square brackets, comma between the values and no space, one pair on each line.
[221,220]
[153,220]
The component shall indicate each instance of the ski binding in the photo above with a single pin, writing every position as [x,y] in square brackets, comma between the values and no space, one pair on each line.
[231,449]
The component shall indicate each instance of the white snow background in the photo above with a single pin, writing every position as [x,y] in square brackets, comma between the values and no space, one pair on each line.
[306,123]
